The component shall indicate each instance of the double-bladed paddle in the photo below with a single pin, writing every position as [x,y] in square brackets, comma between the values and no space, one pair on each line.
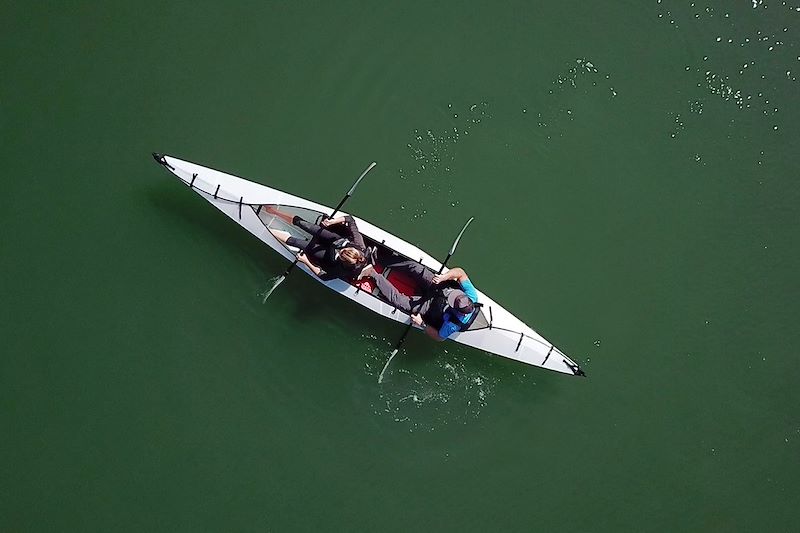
[336,210]
[411,323]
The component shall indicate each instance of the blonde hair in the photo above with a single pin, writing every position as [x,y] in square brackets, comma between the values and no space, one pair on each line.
[351,256]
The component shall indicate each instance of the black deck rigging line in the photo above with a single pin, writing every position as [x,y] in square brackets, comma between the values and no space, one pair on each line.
[240,207]
[194,177]
[548,353]
[216,196]
[521,335]
[200,189]
[490,317]
[518,332]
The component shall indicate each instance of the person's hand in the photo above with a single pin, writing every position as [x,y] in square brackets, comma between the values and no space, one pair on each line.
[328,221]
[416,319]
[365,272]
[437,279]
[302,257]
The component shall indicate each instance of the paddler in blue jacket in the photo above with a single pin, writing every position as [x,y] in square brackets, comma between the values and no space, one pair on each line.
[444,310]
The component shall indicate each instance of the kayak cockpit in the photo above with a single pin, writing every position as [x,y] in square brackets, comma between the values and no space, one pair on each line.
[381,255]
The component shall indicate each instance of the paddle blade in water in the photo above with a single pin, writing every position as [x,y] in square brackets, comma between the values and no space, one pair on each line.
[380,377]
[275,282]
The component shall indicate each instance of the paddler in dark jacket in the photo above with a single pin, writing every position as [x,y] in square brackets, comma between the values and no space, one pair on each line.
[329,255]
[448,306]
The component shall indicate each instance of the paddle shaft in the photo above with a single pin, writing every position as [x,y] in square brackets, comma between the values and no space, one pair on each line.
[427,293]
[336,210]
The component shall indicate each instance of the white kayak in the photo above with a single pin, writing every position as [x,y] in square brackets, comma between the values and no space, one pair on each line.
[495,330]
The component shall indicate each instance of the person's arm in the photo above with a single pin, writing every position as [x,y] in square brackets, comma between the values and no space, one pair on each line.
[456,273]
[460,276]
[353,234]
[311,266]
[431,332]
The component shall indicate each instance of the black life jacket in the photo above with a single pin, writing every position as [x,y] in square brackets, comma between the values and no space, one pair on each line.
[333,252]
[434,316]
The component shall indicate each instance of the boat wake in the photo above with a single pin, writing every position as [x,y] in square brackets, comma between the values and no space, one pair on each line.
[431,393]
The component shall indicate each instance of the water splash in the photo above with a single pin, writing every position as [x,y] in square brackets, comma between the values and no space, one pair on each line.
[556,115]
[434,153]
[763,64]
[277,280]
[428,393]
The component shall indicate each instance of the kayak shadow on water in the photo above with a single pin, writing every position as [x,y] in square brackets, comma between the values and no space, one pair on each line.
[194,214]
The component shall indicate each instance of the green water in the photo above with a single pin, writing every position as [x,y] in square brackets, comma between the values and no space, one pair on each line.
[632,170]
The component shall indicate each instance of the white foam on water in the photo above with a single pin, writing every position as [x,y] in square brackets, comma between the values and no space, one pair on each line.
[430,394]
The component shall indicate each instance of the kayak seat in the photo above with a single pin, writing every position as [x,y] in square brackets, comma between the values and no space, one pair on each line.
[402,282]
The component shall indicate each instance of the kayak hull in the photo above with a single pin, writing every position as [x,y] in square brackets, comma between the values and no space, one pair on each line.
[241,200]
